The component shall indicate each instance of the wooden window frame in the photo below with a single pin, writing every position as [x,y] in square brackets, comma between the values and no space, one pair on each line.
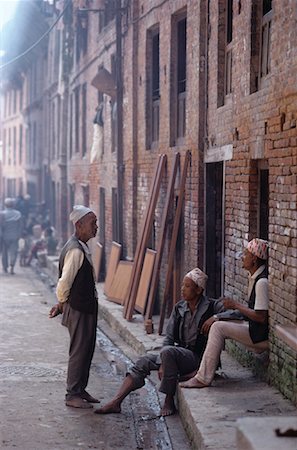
[84,120]
[178,93]
[152,91]
[228,48]
[265,61]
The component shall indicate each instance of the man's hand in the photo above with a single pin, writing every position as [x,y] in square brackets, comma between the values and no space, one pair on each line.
[206,326]
[229,303]
[160,372]
[56,310]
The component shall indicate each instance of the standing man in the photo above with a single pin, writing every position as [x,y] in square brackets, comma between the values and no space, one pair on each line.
[78,301]
[11,233]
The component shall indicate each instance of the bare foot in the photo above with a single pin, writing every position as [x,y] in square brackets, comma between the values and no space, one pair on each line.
[89,398]
[109,408]
[193,383]
[187,376]
[78,402]
[168,408]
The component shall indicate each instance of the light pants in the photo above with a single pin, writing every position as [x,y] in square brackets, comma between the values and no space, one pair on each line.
[219,331]
[9,253]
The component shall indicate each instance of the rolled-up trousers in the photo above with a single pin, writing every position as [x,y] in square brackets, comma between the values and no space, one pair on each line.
[219,331]
[176,362]
[82,331]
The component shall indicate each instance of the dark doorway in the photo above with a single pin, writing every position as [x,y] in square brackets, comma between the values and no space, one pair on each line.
[263,203]
[102,232]
[214,228]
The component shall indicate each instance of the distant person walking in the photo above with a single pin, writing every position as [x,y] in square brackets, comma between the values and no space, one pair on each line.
[11,232]
[77,299]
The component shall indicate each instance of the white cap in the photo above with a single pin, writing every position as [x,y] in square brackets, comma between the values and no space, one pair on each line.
[78,212]
[199,277]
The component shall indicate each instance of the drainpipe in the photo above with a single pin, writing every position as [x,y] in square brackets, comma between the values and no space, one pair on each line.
[119,83]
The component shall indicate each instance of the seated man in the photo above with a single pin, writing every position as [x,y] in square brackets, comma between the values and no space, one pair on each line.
[183,347]
[253,332]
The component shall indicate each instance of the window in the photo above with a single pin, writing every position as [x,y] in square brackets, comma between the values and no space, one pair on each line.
[228,51]
[21,144]
[263,217]
[34,156]
[5,104]
[261,16]
[4,146]
[179,78]
[84,119]
[265,37]
[58,128]
[82,34]
[114,121]
[153,86]
[76,118]
[53,143]
[14,100]
[9,147]
[71,127]
[86,195]
[57,50]
[109,11]
[14,146]
[259,199]
[225,37]
[21,98]
[102,230]
[115,220]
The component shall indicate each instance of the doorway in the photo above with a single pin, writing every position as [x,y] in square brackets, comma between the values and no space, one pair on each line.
[214,228]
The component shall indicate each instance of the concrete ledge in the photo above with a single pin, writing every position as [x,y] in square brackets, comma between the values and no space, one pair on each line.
[288,334]
[259,433]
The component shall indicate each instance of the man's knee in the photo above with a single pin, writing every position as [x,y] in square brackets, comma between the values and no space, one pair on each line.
[143,367]
[167,352]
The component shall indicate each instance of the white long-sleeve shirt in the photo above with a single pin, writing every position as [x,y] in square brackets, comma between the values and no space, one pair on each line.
[72,263]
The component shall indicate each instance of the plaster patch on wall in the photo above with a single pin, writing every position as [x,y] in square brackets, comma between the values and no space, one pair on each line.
[217,154]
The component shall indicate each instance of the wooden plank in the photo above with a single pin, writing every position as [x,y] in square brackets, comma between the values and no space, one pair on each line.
[176,225]
[161,243]
[145,279]
[97,252]
[120,282]
[114,258]
[139,242]
[144,239]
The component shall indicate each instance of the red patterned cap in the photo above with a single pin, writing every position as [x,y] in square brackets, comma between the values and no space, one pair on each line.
[258,247]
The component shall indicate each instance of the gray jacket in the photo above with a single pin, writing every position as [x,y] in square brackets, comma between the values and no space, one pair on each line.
[11,224]
[175,328]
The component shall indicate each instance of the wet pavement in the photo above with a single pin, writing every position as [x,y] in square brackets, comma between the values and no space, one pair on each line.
[33,363]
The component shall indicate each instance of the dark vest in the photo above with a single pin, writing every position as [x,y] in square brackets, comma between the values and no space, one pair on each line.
[201,340]
[258,331]
[82,296]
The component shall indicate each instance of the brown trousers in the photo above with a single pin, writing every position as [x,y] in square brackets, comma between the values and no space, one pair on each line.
[82,331]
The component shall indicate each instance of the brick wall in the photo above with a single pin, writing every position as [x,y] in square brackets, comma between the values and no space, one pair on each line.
[261,126]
